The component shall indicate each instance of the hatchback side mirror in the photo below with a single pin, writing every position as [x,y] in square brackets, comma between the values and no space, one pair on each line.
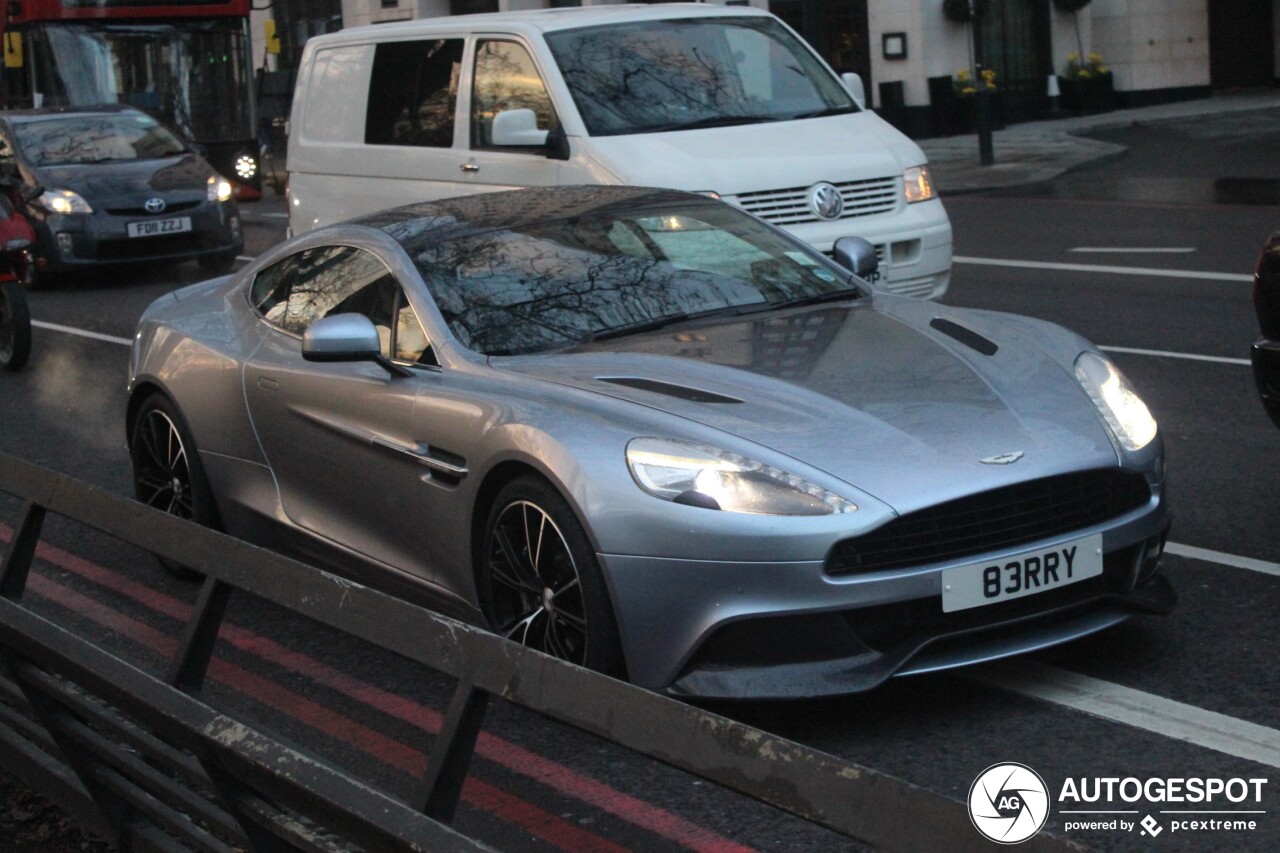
[347,337]
[856,255]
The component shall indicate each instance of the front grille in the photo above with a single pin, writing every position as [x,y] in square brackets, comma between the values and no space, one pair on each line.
[172,208]
[791,206]
[990,521]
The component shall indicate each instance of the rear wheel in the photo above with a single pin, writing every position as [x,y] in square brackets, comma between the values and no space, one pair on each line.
[167,474]
[15,326]
[539,581]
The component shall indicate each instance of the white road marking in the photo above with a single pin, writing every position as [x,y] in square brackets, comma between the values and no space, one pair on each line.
[1100,268]
[1136,708]
[256,215]
[82,333]
[246,257]
[1135,250]
[1219,557]
[1216,359]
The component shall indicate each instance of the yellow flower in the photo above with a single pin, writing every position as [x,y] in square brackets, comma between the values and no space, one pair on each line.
[962,75]
[1102,69]
[1084,72]
[1073,57]
[1095,58]
[967,90]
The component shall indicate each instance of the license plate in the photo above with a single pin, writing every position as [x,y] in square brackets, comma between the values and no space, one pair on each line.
[1018,575]
[153,227]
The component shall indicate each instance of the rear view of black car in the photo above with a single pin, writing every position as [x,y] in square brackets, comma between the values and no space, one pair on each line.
[118,188]
[1266,352]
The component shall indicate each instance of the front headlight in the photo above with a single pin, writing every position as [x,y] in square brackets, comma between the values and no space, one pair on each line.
[64,202]
[219,189]
[705,476]
[918,184]
[1127,416]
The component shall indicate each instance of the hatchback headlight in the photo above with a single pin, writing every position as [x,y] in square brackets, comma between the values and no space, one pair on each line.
[705,476]
[1126,415]
[219,189]
[64,202]
[918,184]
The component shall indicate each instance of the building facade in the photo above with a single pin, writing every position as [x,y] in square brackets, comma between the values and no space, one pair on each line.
[914,56]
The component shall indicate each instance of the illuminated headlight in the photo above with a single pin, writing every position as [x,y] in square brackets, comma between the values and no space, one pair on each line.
[246,166]
[64,202]
[918,184]
[1126,415]
[704,476]
[219,189]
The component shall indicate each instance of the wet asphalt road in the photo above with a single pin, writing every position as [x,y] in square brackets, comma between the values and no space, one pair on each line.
[1198,192]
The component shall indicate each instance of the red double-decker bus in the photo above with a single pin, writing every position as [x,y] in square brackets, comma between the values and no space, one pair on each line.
[185,61]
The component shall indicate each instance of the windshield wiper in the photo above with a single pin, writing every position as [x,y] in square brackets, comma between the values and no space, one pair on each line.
[671,320]
[831,111]
[819,298]
[712,121]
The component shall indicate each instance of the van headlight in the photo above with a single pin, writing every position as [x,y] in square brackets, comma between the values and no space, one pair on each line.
[917,184]
[1126,415]
[705,476]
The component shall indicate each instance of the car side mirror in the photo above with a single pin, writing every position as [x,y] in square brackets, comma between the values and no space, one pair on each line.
[856,255]
[346,337]
[518,128]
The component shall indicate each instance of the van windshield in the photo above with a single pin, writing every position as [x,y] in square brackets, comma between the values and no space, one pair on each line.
[657,76]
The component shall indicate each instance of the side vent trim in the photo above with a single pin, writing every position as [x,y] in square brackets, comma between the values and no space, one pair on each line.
[683,392]
[968,337]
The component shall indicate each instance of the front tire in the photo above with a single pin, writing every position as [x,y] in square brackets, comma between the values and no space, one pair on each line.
[539,581]
[167,473]
[15,326]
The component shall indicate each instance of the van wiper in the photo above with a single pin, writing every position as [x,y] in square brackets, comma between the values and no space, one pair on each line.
[712,121]
[832,111]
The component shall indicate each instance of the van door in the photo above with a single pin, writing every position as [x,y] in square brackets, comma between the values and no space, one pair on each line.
[505,77]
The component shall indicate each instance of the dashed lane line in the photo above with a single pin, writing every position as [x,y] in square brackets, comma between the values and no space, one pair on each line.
[82,333]
[1208,556]
[1136,708]
[1214,359]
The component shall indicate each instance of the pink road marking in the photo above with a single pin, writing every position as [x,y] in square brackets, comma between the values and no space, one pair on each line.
[494,748]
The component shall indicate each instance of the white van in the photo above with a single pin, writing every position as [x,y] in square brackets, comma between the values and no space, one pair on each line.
[712,99]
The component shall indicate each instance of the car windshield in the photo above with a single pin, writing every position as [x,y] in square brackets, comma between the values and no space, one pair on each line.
[659,76]
[616,271]
[94,138]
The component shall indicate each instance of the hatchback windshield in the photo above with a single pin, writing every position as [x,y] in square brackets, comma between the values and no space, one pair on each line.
[684,74]
[554,285]
[94,138]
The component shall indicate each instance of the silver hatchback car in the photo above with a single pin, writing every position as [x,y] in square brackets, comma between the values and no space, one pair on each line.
[646,432]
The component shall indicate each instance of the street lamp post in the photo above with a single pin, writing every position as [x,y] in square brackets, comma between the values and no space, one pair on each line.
[986,154]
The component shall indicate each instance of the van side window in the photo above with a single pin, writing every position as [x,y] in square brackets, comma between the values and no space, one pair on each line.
[505,79]
[413,93]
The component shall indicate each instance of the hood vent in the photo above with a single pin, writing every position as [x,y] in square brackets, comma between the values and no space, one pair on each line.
[968,337]
[684,393]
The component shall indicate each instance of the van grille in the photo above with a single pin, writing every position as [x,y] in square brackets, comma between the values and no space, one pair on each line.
[989,521]
[791,206]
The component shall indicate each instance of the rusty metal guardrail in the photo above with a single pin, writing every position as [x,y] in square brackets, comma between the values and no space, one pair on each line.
[149,763]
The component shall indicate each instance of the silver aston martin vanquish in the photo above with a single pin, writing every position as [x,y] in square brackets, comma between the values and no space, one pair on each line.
[648,433]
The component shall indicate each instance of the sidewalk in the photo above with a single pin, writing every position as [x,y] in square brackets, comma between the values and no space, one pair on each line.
[1042,150]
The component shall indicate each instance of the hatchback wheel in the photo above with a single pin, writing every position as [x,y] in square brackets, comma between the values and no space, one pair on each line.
[539,582]
[167,474]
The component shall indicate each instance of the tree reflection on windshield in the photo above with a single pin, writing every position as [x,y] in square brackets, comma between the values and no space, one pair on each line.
[554,285]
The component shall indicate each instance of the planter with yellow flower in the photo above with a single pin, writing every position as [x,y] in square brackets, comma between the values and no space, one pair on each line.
[1086,87]
[965,91]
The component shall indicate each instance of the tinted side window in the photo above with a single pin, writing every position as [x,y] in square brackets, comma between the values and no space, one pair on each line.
[505,79]
[413,93]
[310,285]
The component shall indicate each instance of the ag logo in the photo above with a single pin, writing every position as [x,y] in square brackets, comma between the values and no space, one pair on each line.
[1008,803]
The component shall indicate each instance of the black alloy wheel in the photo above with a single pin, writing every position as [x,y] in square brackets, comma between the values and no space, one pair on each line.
[167,474]
[540,583]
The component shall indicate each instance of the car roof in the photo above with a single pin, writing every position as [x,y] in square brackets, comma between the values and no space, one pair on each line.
[23,116]
[419,225]
[535,21]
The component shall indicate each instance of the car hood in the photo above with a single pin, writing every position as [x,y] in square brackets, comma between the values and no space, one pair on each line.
[872,394]
[754,157]
[185,174]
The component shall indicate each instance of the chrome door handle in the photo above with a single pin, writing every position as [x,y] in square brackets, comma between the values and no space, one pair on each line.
[470,167]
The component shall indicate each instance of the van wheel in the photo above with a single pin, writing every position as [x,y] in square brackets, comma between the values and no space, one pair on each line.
[167,474]
[539,582]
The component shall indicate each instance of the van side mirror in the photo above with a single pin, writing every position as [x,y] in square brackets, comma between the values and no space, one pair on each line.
[856,255]
[518,128]
[853,82]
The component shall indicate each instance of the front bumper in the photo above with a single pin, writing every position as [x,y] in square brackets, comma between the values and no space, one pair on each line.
[790,630]
[66,243]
